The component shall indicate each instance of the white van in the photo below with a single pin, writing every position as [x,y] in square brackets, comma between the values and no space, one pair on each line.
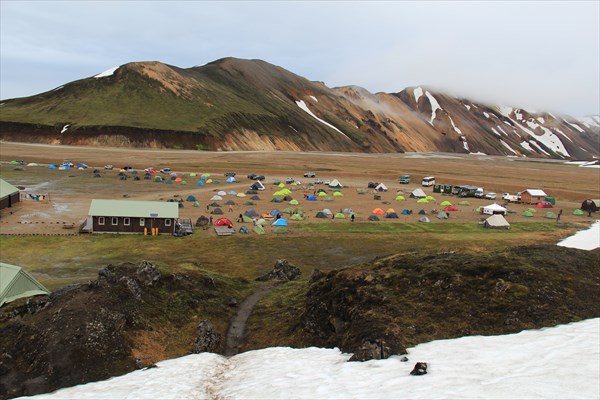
[428,181]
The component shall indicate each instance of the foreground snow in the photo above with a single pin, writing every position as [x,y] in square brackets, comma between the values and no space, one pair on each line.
[588,239]
[551,363]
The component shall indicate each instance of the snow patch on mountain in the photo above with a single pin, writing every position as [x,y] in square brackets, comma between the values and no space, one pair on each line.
[549,139]
[303,106]
[541,120]
[65,128]
[434,106]
[486,115]
[526,146]
[591,121]
[537,146]
[496,132]
[507,146]
[562,133]
[518,115]
[418,92]
[454,126]
[314,98]
[574,126]
[504,110]
[106,73]
[501,130]
[468,107]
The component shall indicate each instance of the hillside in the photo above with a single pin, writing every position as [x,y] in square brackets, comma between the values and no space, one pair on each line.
[234,104]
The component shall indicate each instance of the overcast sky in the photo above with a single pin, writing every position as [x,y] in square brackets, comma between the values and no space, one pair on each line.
[534,55]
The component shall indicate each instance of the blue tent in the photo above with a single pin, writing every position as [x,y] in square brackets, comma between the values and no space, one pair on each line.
[406,212]
[200,183]
[52,166]
[392,215]
[274,212]
[231,179]
[422,212]
[191,198]
[280,222]
[311,198]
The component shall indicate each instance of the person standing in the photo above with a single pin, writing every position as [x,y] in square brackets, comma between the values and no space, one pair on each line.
[558,215]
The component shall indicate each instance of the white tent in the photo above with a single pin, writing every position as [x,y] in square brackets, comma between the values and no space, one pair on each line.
[222,193]
[418,194]
[497,221]
[327,211]
[216,197]
[494,209]
[381,188]
[335,184]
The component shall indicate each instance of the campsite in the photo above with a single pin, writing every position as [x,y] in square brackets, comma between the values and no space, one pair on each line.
[217,271]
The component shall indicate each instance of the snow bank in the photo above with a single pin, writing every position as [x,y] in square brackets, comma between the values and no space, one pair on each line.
[418,92]
[588,239]
[106,73]
[434,106]
[551,363]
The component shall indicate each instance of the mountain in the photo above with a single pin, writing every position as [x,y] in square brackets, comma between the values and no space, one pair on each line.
[234,104]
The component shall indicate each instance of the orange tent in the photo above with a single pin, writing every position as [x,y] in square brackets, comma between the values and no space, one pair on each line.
[378,211]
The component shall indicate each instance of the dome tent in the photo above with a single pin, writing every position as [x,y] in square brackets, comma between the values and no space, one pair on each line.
[16,283]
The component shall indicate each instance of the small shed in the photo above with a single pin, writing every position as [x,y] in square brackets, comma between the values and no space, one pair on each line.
[531,196]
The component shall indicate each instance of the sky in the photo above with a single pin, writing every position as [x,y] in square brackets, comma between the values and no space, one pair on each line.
[536,55]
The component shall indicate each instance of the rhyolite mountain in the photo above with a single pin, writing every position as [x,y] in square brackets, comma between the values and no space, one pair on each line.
[235,104]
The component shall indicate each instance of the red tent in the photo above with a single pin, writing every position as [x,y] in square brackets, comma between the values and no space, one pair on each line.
[544,204]
[223,222]
[450,208]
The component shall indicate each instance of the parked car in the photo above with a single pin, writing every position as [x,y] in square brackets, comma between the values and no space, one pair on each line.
[318,181]
[165,170]
[82,165]
[252,176]
[309,174]
[229,173]
[491,196]
[260,177]
[327,181]
[108,166]
[372,185]
[67,163]
[289,180]
[127,168]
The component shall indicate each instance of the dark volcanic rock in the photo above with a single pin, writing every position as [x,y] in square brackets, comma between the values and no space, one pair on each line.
[207,338]
[282,271]
[147,274]
[371,350]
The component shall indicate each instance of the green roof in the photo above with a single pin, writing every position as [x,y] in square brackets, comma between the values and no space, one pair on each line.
[15,283]
[132,208]
[6,189]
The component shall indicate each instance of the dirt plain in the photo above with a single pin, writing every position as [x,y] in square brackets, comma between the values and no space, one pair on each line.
[69,192]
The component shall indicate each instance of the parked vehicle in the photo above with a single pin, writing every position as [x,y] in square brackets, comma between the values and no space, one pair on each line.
[108,166]
[252,176]
[491,196]
[404,179]
[309,174]
[318,181]
[372,185]
[67,163]
[479,193]
[229,173]
[260,177]
[428,181]
[165,170]
[289,180]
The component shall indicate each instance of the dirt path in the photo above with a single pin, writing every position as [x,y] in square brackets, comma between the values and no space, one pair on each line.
[235,333]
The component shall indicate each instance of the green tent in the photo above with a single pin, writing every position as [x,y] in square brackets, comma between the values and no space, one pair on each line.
[400,198]
[276,200]
[296,217]
[280,229]
[337,194]
[246,219]
[250,203]
[293,202]
[550,215]
[196,204]
[464,203]
[259,230]
[527,213]
[442,215]
[15,283]
[578,212]
[423,200]
[446,203]
[339,216]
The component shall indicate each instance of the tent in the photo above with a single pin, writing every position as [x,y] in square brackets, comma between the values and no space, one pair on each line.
[320,214]
[258,185]
[16,283]
[244,230]
[450,208]
[222,193]
[246,219]
[52,166]
[217,211]
[550,215]
[231,179]
[216,197]
[204,177]
[496,221]
[193,174]
[327,211]
[230,203]
[267,217]
[293,202]
[214,204]
[445,203]
[276,200]
[190,198]
[232,193]
[280,229]
[196,204]
[589,205]
[578,212]
[544,204]
[391,215]
[274,212]
[260,222]
[222,222]
[322,194]
[240,195]
[296,217]
[199,183]
[250,203]
[373,218]
[337,194]
[335,184]
[288,198]
[464,203]
[527,213]
[424,219]
[311,198]
[400,198]
[280,222]
[423,200]
[493,209]
[258,229]
[255,198]
[339,216]
[442,215]
[422,212]
[381,188]
[348,211]
[178,180]
[158,179]
[209,180]
[418,194]
[406,212]
[321,191]
[251,191]
[390,210]
[378,211]
[281,185]
[430,198]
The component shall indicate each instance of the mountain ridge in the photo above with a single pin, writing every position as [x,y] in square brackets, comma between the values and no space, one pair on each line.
[236,104]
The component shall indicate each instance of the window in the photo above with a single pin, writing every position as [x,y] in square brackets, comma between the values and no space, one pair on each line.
[100,220]
[126,221]
[167,222]
[142,221]
[115,221]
